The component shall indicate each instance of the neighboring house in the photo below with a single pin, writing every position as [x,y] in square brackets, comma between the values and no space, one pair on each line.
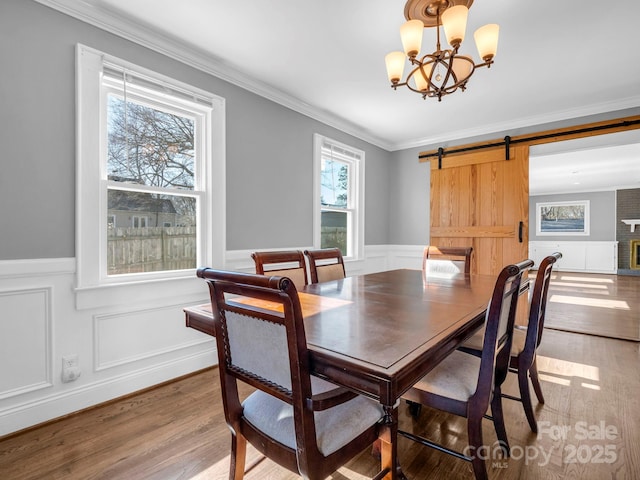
[138,210]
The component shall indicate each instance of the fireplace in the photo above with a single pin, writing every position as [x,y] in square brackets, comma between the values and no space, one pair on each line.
[635,254]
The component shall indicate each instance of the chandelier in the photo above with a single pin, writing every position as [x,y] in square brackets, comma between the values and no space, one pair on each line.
[443,71]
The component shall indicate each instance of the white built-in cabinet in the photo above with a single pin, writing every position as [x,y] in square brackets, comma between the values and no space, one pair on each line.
[591,257]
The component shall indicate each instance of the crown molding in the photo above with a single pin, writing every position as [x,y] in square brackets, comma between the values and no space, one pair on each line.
[459,136]
[176,50]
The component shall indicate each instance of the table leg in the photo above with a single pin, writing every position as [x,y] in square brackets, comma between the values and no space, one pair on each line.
[388,444]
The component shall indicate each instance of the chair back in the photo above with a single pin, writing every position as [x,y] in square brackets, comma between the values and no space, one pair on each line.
[446,261]
[538,303]
[289,263]
[325,264]
[261,341]
[499,324]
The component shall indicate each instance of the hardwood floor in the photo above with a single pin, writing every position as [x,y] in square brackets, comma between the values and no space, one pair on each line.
[605,305]
[589,427]
[177,431]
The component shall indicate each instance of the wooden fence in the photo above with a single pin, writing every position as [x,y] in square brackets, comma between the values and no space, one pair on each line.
[134,250]
[334,237]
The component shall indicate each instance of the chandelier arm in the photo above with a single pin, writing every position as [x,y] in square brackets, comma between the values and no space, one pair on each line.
[449,73]
[430,85]
[453,53]
[484,64]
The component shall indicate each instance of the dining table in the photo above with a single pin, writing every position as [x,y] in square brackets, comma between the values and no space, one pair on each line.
[379,333]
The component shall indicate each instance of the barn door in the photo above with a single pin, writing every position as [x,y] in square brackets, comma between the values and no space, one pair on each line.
[481,199]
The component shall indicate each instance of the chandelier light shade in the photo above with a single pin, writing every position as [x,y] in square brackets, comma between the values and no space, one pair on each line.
[444,71]
[395,66]
[454,21]
[487,41]
[411,36]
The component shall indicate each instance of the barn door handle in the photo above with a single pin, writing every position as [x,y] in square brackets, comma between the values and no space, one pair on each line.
[520,227]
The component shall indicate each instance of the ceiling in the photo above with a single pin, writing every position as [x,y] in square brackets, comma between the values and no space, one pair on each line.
[602,162]
[326,59]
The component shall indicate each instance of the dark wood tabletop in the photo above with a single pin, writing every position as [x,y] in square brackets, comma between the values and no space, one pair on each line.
[379,333]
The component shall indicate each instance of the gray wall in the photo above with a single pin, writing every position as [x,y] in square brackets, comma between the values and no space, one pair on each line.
[602,207]
[269,147]
[409,219]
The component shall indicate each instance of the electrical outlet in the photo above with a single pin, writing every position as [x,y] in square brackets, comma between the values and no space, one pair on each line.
[70,368]
[69,361]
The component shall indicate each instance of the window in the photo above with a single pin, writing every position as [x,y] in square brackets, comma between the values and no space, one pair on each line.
[138,222]
[562,218]
[338,197]
[151,164]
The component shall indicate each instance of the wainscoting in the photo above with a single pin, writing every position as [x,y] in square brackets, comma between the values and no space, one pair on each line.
[578,256]
[127,339]
[136,342]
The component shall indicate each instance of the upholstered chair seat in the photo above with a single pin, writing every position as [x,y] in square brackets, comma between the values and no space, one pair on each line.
[335,427]
[455,377]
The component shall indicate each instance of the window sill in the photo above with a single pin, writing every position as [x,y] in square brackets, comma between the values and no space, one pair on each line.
[158,291]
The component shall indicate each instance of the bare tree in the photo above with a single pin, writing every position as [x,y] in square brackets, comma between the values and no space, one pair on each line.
[151,147]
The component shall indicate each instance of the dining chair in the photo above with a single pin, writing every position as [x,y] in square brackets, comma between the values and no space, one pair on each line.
[287,263]
[465,385]
[325,264]
[446,261]
[526,342]
[301,422]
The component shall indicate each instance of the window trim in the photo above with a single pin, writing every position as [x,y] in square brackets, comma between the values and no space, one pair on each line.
[91,183]
[355,206]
